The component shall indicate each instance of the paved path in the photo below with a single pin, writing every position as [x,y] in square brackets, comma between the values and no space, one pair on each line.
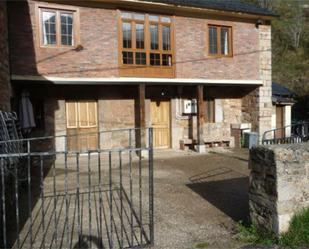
[198,198]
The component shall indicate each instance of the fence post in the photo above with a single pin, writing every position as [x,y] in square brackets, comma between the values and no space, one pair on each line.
[151,187]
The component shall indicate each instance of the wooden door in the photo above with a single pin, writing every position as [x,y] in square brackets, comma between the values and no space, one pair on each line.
[82,125]
[160,121]
[279,121]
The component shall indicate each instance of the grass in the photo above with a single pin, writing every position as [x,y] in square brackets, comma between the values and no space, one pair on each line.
[298,234]
[202,245]
[296,237]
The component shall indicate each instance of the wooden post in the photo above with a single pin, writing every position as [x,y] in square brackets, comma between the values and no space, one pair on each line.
[200,118]
[141,122]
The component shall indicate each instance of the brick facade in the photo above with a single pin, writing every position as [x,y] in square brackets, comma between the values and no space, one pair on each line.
[99,58]
[4,61]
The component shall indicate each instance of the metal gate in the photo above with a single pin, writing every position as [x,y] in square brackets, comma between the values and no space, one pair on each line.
[91,199]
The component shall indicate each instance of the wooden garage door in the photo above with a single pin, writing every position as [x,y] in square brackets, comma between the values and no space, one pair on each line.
[82,125]
[160,121]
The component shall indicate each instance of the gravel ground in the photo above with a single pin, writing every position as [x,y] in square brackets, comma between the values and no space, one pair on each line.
[199,198]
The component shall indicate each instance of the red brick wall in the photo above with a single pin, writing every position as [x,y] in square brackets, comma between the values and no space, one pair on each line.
[98,32]
[4,60]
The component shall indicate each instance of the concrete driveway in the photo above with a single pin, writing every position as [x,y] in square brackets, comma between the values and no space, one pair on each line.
[199,198]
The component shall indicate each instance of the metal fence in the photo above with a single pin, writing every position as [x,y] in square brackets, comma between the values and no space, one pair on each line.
[99,198]
[295,133]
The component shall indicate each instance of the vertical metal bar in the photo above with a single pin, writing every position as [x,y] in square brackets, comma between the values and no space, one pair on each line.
[66,196]
[121,200]
[89,198]
[17,205]
[29,194]
[151,190]
[42,198]
[3,203]
[140,198]
[131,197]
[78,202]
[100,193]
[111,199]
[55,206]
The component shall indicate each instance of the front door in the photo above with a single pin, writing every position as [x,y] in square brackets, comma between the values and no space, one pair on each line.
[160,121]
[279,121]
[82,125]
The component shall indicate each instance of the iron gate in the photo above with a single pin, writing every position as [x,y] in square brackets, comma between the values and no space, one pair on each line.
[94,199]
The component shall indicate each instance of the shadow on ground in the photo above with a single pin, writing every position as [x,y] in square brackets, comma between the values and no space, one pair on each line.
[226,189]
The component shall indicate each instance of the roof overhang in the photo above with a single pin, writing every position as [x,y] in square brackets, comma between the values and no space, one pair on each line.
[168,8]
[127,80]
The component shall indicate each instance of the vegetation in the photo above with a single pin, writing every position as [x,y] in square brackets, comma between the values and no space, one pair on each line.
[202,245]
[290,45]
[296,237]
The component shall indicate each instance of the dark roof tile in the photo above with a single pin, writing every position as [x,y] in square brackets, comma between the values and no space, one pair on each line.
[226,5]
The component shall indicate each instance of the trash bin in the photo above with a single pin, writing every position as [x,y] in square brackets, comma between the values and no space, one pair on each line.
[251,139]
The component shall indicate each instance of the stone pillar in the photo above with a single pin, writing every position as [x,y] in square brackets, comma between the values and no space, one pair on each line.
[265,91]
[200,118]
[5,91]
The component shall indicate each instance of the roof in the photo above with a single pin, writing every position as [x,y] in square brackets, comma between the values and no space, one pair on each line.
[226,5]
[281,94]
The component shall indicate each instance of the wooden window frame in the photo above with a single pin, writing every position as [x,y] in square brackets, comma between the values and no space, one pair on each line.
[147,39]
[58,9]
[219,52]
[212,116]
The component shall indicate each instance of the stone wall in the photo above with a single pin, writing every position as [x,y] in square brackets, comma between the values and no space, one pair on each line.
[4,60]
[279,184]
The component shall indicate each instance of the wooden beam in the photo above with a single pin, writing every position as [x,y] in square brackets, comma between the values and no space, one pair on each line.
[141,117]
[200,118]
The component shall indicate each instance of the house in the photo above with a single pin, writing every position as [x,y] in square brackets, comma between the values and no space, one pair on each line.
[189,69]
[283,100]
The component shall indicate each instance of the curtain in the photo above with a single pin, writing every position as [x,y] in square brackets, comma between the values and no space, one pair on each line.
[48,19]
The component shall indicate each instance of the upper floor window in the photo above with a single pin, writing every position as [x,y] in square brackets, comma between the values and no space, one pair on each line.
[146,39]
[219,40]
[57,27]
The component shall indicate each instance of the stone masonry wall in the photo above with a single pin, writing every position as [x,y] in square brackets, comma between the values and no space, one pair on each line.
[279,184]
[4,60]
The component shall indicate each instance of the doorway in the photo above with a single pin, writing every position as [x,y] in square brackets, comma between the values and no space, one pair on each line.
[82,125]
[160,121]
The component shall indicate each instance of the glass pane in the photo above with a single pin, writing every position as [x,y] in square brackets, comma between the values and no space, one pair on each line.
[154,37]
[155,59]
[167,60]
[166,33]
[225,41]
[140,58]
[153,18]
[127,57]
[139,16]
[66,28]
[126,15]
[165,19]
[126,35]
[139,36]
[213,49]
[49,27]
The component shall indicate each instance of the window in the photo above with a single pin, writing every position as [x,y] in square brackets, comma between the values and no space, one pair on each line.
[146,40]
[219,40]
[57,27]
